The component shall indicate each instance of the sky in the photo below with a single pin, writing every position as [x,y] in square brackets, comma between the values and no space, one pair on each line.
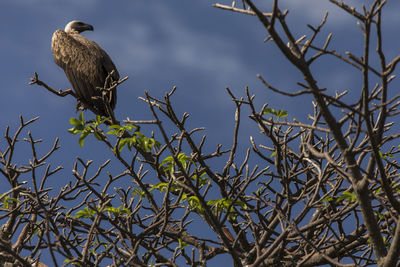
[161,44]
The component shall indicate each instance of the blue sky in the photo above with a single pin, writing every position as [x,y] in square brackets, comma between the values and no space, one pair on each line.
[161,44]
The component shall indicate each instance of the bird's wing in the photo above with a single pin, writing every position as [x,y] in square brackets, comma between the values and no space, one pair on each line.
[76,61]
[108,67]
[86,66]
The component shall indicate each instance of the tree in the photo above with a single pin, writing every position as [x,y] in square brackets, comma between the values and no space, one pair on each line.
[319,192]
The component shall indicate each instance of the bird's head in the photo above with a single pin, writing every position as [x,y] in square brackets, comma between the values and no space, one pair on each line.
[78,26]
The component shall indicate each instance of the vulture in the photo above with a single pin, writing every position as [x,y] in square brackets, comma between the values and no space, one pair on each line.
[86,66]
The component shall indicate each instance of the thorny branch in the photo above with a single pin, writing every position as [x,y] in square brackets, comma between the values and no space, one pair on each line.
[324,191]
[359,146]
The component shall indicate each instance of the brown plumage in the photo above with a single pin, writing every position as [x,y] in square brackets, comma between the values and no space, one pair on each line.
[86,65]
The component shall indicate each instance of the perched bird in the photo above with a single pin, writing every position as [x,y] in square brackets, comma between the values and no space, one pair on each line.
[86,65]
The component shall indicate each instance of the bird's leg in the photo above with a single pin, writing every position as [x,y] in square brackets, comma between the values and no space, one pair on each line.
[35,80]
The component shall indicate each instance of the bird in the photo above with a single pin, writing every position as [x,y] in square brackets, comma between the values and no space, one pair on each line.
[87,66]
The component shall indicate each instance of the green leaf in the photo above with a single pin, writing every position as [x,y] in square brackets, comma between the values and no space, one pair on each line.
[85,213]
[327,199]
[115,126]
[224,204]
[137,138]
[278,113]
[385,155]
[268,111]
[81,117]
[162,187]
[115,130]
[281,113]
[168,164]
[184,160]
[377,191]
[7,201]
[193,203]
[81,139]
[159,186]
[118,130]
[118,211]
[258,192]
[347,196]
[74,121]
[138,192]
[182,244]
[201,179]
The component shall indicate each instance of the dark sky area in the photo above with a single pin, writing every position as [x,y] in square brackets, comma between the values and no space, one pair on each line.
[160,44]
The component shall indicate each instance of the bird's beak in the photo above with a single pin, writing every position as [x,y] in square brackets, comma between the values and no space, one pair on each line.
[88,27]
